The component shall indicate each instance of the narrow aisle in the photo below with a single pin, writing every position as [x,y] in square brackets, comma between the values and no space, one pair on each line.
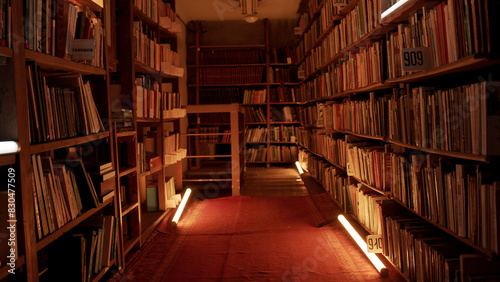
[268,234]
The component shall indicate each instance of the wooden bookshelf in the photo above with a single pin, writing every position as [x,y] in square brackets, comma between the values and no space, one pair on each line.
[7,159]
[43,147]
[151,220]
[59,64]
[477,65]
[6,51]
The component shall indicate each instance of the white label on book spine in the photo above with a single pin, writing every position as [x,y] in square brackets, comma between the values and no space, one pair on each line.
[416,59]
[374,243]
[82,49]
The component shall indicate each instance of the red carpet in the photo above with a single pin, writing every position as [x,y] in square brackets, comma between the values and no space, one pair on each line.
[253,239]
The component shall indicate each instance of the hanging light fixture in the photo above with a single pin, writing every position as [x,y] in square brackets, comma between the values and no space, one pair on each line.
[249,8]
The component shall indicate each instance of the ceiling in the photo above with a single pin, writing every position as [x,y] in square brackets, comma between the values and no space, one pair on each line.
[229,10]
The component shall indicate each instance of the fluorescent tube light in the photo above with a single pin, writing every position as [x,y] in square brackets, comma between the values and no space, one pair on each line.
[9,147]
[180,209]
[393,8]
[362,244]
[299,168]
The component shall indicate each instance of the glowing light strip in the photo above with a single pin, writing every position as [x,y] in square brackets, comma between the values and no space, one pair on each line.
[393,8]
[299,168]
[9,147]
[180,209]
[362,244]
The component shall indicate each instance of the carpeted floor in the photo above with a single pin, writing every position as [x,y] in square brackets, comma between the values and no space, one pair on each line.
[248,238]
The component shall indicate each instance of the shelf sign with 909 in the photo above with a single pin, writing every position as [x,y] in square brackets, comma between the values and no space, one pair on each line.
[416,59]
[374,243]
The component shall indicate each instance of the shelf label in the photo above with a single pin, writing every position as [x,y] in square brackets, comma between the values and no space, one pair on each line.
[374,243]
[416,59]
[297,30]
[340,3]
[82,49]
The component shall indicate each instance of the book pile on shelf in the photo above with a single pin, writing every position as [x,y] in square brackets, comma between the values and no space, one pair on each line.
[283,55]
[148,7]
[411,242]
[211,134]
[148,156]
[233,57]
[169,61]
[232,75]
[172,105]
[255,114]
[287,154]
[363,202]
[168,18]
[328,145]
[87,249]
[283,133]
[5,24]
[286,114]
[282,94]
[148,98]
[254,96]
[451,31]
[282,75]
[172,199]
[60,106]
[171,148]
[256,154]
[103,179]
[255,135]
[369,162]
[62,191]
[219,95]
[329,9]
[124,120]
[334,180]
[147,50]
[52,26]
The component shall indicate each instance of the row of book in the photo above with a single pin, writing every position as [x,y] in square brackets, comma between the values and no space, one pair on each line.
[285,114]
[282,75]
[213,135]
[308,116]
[5,23]
[51,28]
[451,30]
[283,133]
[86,250]
[160,12]
[363,202]
[148,97]
[171,101]
[156,55]
[328,145]
[330,8]
[232,57]
[283,55]
[171,147]
[333,180]
[231,75]
[287,154]
[124,120]
[61,192]
[255,135]
[60,106]
[282,94]
[218,95]
[256,154]
[255,114]
[254,96]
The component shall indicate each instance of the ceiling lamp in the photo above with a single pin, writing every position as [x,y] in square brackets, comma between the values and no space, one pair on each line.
[249,8]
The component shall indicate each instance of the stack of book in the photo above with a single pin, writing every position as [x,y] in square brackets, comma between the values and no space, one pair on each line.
[124,120]
[103,178]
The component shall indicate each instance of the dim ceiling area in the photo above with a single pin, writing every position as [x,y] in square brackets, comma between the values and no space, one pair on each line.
[229,10]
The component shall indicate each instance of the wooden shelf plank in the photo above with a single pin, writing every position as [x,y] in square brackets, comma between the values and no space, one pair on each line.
[283,142]
[254,104]
[145,69]
[402,14]
[128,208]
[207,180]
[149,221]
[230,85]
[70,225]
[6,51]
[126,171]
[97,277]
[7,159]
[284,122]
[146,120]
[323,157]
[386,193]
[125,134]
[143,17]
[129,244]
[48,62]
[465,64]
[44,147]
[230,65]
[93,6]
